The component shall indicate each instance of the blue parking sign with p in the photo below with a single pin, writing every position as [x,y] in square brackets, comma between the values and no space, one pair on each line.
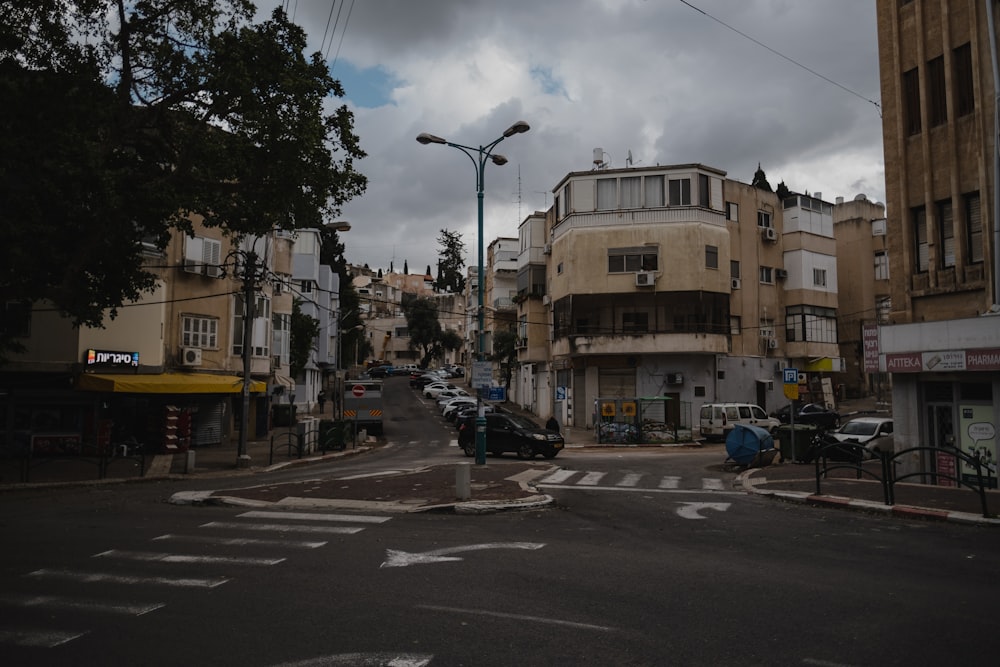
[790,376]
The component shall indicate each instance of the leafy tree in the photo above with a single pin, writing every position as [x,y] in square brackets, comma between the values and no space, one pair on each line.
[424,328]
[428,271]
[304,332]
[451,263]
[760,180]
[406,268]
[783,191]
[505,353]
[125,119]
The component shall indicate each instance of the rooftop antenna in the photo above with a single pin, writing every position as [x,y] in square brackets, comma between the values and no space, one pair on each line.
[628,160]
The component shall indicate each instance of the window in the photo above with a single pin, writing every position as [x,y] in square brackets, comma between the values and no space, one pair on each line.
[631,191]
[920,237]
[763,219]
[607,194]
[201,253]
[946,229]
[819,277]
[282,328]
[937,113]
[630,260]
[974,227]
[732,211]
[16,320]
[306,286]
[200,332]
[735,325]
[680,192]
[259,329]
[711,257]
[704,191]
[635,322]
[654,191]
[881,265]
[734,268]
[766,275]
[766,327]
[965,101]
[811,323]
[911,101]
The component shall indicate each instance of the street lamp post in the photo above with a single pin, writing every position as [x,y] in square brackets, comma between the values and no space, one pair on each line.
[484,153]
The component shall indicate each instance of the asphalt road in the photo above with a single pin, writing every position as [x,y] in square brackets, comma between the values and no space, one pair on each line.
[642,562]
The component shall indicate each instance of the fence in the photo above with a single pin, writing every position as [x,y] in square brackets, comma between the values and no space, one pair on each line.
[28,464]
[642,420]
[316,435]
[832,456]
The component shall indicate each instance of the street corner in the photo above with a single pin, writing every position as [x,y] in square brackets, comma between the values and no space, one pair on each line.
[536,502]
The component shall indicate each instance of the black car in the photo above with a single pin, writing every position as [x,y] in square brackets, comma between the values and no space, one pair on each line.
[379,371]
[512,433]
[810,413]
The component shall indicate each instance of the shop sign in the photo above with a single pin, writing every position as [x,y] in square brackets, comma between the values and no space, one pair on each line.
[944,360]
[869,336]
[112,358]
[978,438]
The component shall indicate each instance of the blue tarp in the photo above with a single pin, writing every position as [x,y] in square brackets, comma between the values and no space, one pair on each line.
[745,442]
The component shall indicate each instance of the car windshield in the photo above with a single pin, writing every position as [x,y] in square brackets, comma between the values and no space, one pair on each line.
[523,422]
[859,428]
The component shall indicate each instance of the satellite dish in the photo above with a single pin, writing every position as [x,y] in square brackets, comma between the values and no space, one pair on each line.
[628,160]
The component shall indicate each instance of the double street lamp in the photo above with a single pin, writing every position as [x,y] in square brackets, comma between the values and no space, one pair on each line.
[479,156]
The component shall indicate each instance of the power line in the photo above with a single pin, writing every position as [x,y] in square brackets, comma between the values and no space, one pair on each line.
[782,55]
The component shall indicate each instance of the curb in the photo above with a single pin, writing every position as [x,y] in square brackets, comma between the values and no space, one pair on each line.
[745,480]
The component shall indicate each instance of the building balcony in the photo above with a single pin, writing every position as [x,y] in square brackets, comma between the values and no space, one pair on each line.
[579,345]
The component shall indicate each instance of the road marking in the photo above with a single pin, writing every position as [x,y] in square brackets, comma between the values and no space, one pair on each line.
[630,489]
[368,659]
[242,541]
[591,478]
[670,482]
[396,558]
[283,528]
[308,516]
[712,484]
[149,556]
[558,477]
[631,479]
[519,617]
[102,577]
[56,602]
[38,638]
[690,510]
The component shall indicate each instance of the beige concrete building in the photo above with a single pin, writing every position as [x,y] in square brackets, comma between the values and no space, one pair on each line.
[939,73]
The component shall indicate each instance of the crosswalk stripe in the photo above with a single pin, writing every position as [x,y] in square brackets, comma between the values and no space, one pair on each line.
[283,528]
[103,577]
[712,484]
[241,541]
[308,516]
[38,638]
[558,477]
[670,482]
[631,479]
[592,478]
[148,556]
[99,606]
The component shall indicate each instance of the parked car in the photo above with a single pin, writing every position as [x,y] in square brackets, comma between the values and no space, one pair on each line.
[513,433]
[379,371]
[448,395]
[449,409]
[718,419]
[434,388]
[465,418]
[420,379]
[875,433]
[810,413]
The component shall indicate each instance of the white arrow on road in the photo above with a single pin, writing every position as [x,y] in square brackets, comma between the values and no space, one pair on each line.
[690,510]
[402,558]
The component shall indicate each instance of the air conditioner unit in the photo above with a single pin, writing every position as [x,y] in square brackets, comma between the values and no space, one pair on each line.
[772,343]
[191,356]
[192,265]
[644,279]
[769,233]
[546,299]
[780,274]
[213,270]
[675,378]
[737,283]
[547,249]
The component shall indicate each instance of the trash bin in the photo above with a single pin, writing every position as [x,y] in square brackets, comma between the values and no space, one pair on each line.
[797,450]
[331,435]
[283,415]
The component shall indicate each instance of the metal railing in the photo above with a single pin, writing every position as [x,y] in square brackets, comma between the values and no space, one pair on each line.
[62,466]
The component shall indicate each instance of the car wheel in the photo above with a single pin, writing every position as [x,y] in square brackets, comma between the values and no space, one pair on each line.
[551,454]
[470,449]
[525,451]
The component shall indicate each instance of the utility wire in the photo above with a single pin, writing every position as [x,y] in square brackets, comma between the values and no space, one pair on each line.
[782,55]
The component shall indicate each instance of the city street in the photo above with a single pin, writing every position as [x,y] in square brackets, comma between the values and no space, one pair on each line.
[645,559]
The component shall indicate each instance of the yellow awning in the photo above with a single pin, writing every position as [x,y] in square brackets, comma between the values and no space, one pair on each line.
[167,383]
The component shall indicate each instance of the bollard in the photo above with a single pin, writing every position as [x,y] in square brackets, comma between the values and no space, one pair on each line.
[189,462]
[463,481]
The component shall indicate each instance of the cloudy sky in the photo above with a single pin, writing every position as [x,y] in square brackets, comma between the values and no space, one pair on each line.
[789,84]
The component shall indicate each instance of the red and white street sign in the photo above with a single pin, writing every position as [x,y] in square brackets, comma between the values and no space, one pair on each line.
[358,390]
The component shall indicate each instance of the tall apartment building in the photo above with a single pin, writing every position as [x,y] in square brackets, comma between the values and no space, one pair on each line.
[939,73]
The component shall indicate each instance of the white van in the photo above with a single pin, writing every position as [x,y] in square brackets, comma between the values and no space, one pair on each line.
[718,419]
